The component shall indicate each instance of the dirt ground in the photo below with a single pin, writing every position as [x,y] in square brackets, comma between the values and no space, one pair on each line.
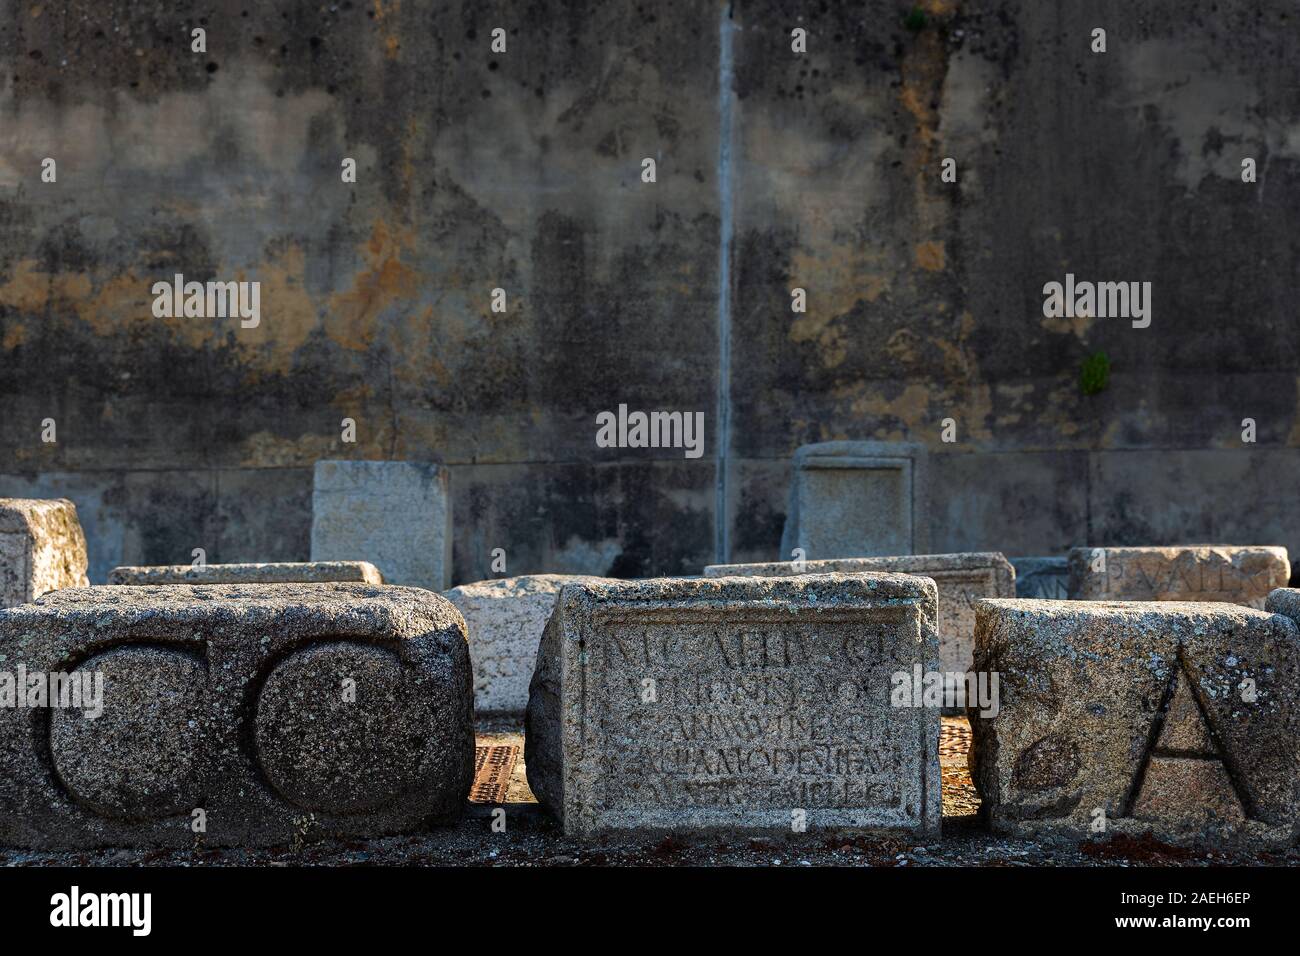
[532,839]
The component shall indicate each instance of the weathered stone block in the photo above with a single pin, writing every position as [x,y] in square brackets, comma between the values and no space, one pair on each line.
[282,572]
[394,514]
[1182,719]
[42,548]
[1043,579]
[505,619]
[737,705]
[1236,574]
[271,713]
[962,580]
[856,499]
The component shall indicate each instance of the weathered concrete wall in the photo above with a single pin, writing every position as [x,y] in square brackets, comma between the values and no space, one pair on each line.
[522,171]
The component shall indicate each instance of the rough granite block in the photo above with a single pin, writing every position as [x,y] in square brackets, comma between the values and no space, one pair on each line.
[1232,573]
[284,572]
[394,514]
[962,579]
[852,499]
[505,618]
[736,706]
[282,712]
[1044,579]
[1178,719]
[42,548]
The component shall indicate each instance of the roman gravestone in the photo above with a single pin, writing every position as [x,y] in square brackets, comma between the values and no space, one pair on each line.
[735,705]
[505,619]
[285,572]
[856,499]
[42,548]
[962,580]
[1176,718]
[1045,579]
[394,514]
[282,712]
[1239,575]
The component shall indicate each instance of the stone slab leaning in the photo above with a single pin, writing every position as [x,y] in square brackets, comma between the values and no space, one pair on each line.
[394,514]
[1234,573]
[1042,578]
[962,580]
[270,713]
[1175,718]
[42,548]
[280,572]
[736,705]
[857,499]
[505,619]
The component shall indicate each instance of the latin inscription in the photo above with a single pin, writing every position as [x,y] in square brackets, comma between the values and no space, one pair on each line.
[718,715]
[1161,576]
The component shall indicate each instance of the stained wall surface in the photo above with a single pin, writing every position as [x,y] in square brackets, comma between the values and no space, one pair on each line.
[523,171]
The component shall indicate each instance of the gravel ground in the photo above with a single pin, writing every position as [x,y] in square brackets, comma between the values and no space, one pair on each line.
[532,839]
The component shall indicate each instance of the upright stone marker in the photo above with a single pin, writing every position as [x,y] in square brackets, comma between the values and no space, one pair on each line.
[286,572]
[1180,719]
[42,548]
[962,579]
[505,619]
[737,705]
[1044,579]
[394,514]
[262,713]
[856,499]
[1236,574]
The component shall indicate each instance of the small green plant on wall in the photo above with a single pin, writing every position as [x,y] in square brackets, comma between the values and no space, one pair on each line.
[916,19]
[1094,373]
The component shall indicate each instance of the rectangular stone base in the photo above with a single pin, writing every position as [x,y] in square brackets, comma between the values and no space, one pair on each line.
[736,706]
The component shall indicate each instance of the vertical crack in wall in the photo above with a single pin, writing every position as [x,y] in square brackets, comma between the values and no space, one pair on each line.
[722,442]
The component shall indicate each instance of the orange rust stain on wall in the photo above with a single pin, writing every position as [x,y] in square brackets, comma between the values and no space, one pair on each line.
[392,41]
[353,316]
[837,278]
[31,290]
[103,304]
[922,73]
[289,313]
[930,256]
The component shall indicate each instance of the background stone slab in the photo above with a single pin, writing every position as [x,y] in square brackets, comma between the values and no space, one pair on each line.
[1044,579]
[962,580]
[395,515]
[505,618]
[856,498]
[42,549]
[284,572]
[1238,574]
